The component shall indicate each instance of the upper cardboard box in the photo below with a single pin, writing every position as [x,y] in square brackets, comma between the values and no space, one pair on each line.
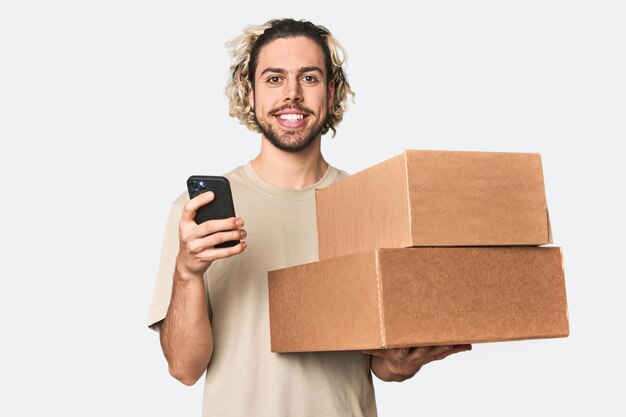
[436,198]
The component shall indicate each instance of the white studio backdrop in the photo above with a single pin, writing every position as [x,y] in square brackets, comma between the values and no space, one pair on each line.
[107,107]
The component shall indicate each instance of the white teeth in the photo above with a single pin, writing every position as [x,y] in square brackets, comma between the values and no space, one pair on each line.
[291,117]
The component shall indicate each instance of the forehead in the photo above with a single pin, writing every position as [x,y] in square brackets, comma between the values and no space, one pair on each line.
[290,54]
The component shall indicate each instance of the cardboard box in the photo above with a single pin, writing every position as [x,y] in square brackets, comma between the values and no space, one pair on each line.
[418,297]
[436,198]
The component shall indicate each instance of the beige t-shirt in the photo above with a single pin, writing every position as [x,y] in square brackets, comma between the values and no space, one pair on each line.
[244,378]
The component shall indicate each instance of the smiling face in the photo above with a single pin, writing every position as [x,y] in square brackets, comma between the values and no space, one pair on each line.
[291,94]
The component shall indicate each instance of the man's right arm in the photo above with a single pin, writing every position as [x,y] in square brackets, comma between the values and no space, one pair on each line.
[186,337]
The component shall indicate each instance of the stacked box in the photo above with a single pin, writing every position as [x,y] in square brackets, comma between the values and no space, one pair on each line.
[427,248]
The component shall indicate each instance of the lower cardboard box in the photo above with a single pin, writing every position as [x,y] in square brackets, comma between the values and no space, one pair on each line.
[389,298]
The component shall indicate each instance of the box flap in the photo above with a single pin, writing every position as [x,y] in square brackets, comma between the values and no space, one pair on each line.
[376,197]
[549,226]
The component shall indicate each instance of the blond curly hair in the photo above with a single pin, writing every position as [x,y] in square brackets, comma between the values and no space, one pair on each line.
[244,51]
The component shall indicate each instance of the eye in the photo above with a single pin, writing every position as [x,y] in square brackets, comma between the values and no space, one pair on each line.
[309,78]
[273,79]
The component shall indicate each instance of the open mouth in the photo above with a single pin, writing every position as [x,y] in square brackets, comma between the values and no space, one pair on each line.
[292,120]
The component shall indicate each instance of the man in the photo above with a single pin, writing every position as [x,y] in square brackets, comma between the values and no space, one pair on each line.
[210,304]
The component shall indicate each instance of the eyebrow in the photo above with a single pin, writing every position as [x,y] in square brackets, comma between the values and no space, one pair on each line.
[284,71]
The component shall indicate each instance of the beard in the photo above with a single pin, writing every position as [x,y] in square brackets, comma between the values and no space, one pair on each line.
[291,141]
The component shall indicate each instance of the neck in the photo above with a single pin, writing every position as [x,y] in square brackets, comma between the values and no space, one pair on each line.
[290,170]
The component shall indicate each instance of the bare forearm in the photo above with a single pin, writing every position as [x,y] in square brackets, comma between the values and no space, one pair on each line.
[186,336]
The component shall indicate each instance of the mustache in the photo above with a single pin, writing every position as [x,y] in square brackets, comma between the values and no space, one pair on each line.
[291,107]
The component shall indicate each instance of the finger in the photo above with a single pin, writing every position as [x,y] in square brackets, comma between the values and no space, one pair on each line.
[450,351]
[375,352]
[208,242]
[428,351]
[396,354]
[221,253]
[192,206]
[214,226]
[402,352]
[419,352]
[438,350]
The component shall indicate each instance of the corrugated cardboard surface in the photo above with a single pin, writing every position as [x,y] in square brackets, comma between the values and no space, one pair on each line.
[419,296]
[379,196]
[318,305]
[477,199]
[436,198]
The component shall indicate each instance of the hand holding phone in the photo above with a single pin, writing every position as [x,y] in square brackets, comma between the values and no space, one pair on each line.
[221,207]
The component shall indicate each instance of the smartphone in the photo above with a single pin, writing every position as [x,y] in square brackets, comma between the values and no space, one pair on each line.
[221,207]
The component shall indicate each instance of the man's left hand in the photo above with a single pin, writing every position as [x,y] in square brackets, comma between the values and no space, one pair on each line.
[401,364]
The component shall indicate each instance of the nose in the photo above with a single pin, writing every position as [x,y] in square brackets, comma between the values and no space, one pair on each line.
[293,90]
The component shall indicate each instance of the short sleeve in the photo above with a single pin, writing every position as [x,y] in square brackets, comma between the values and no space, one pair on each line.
[165,275]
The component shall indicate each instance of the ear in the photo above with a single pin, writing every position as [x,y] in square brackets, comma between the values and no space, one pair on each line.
[331,93]
[250,95]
